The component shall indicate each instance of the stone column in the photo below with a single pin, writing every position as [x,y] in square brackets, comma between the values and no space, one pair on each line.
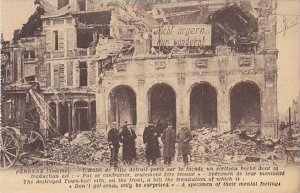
[223,97]
[180,113]
[141,106]
[223,108]
[101,111]
[186,105]
[180,117]
[269,98]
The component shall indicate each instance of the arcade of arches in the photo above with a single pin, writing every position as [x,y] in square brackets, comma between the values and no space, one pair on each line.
[245,105]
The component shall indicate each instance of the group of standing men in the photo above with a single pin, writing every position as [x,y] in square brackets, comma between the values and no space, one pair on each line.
[151,137]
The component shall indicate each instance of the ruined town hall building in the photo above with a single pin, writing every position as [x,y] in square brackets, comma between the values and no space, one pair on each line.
[83,64]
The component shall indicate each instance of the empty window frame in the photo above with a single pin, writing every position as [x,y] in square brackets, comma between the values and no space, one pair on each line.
[83,74]
[59,75]
[55,40]
[28,55]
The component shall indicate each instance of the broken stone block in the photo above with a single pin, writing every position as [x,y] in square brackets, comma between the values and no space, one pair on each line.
[80,140]
[64,141]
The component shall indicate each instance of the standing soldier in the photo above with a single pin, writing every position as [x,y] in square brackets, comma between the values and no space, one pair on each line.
[184,137]
[150,138]
[114,145]
[168,138]
[127,137]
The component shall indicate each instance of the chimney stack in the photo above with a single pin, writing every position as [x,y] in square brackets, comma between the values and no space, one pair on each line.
[62,3]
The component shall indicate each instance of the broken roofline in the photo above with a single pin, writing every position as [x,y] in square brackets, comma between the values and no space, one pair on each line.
[76,13]
[72,11]
[191,3]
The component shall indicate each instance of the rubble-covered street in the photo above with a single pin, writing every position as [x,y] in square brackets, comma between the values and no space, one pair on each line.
[91,147]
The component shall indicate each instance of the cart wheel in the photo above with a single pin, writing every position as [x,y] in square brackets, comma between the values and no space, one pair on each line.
[36,137]
[9,149]
[37,144]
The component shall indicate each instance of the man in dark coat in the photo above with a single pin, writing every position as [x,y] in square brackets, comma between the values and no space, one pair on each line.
[184,136]
[150,138]
[169,139]
[114,145]
[127,137]
[131,128]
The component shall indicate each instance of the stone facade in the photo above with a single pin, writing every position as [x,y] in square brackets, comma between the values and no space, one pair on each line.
[91,76]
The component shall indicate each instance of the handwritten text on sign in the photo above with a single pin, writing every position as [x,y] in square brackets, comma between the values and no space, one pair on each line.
[182,35]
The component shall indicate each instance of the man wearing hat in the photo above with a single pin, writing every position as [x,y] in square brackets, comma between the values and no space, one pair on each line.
[150,138]
[127,137]
[169,139]
[114,145]
[184,136]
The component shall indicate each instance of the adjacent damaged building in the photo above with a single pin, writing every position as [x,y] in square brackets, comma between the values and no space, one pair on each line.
[198,63]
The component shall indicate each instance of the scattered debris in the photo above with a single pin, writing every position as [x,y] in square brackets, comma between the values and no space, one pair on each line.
[91,147]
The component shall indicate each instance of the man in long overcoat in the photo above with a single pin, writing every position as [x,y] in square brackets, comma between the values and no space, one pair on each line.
[127,137]
[114,145]
[169,139]
[150,138]
[184,136]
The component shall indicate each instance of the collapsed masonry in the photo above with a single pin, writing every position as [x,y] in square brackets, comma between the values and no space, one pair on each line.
[90,60]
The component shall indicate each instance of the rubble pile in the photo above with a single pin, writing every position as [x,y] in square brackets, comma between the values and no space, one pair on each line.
[86,147]
[91,147]
[208,146]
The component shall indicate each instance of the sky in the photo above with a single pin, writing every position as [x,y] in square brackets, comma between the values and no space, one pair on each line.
[14,13]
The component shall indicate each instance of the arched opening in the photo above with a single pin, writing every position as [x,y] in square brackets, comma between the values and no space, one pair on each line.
[81,116]
[245,106]
[203,106]
[64,118]
[122,105]
[162,104]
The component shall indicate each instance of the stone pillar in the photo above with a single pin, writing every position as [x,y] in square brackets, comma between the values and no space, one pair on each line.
[141,106]
[269,98]
[180,113]
[180,118]
[223,97]
[186,105]
[223,108]
[101,109]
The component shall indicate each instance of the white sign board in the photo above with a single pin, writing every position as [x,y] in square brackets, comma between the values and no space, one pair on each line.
[190,35]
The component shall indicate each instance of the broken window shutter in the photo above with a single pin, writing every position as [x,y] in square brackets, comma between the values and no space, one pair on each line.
[48,41]
[61,40]
[69,73]
[56,75]
[61,75]
[92,73]
[71,39]
[76,74]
